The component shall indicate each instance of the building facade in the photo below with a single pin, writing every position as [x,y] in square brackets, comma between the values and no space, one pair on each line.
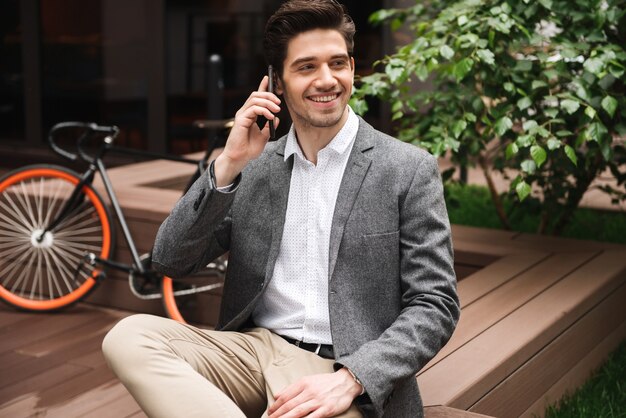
[152,67]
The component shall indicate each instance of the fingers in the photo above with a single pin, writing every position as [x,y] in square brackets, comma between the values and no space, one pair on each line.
[283,398]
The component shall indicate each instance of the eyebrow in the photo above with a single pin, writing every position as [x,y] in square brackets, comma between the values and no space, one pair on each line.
[309,59]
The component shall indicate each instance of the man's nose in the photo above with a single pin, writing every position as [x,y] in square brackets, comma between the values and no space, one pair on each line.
[325,79]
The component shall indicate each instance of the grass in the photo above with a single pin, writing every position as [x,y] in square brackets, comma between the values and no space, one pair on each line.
[604,394]
[471,205]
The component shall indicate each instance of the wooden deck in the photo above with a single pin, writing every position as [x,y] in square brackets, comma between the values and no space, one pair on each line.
[538,315]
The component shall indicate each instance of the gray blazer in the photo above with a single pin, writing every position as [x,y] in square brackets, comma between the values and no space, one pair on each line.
[392,287]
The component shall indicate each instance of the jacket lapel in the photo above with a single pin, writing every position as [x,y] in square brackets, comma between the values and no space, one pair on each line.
[280,180]
[353,177]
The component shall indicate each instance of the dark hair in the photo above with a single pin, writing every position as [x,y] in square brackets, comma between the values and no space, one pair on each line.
[297,16]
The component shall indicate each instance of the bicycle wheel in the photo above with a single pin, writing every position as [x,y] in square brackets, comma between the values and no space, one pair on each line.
[195,298]
[49,273]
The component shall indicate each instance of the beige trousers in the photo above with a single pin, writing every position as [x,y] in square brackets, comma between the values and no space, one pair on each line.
[176,370]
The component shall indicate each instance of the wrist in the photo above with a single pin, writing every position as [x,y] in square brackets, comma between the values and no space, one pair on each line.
[359,388]
[226,170]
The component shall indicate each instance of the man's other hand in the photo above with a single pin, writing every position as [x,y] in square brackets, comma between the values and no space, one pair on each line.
[316,396]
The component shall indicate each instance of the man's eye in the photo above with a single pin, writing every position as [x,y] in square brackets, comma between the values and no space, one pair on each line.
[306,68]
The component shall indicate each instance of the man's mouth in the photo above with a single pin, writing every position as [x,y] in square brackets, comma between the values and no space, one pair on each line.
[324,99]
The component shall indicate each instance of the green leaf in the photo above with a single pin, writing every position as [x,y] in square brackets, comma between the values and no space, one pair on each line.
[537,84]
[524,103]
[596,132]
[570,106]
[551,112]
[510,87]
[421,72]
[593,65]
[522,189]
[553,144]
[503,125]
[359,106]
[511,150]
[397,115]
[381,15]
[546,3]
[590,111]
[525,141]
[530,126]
[571,154]
[461,20]
[446,52]
[458,128]
[462,67]
[609,104]
[469,117]
[394,72]
[486,56]
[564,132]
[539,154]
[529,166]
[523,66]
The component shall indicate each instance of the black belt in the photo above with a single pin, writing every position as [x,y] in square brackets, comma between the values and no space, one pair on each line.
[322,350]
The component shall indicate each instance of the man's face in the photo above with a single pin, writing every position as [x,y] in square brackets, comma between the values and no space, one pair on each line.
[317,78]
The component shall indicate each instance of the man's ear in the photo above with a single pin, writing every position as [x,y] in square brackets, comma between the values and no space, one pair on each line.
[278,85]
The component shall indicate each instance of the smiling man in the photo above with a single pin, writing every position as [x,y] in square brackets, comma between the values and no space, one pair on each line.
[340,283]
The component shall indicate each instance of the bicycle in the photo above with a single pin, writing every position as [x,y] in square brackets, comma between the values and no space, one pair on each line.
[57,235]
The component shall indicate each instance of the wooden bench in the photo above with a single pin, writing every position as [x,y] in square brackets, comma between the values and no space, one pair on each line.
[538,313]
[534,323]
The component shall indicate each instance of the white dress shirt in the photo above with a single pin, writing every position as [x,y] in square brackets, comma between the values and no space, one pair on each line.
[295,303]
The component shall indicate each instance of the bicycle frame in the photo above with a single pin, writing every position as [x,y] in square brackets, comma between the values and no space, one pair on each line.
[96,164]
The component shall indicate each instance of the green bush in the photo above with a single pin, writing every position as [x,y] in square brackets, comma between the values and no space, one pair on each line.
[471,205]
[534,89]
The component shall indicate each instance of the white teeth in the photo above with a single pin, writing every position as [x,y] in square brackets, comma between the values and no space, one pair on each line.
[324,98]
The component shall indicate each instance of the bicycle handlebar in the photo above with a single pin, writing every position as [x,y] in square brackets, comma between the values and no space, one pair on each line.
[90,128]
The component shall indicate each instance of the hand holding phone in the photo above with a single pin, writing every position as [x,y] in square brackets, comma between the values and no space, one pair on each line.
[261,120]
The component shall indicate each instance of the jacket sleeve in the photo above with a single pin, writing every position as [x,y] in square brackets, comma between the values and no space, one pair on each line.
[429,304]
[196,231]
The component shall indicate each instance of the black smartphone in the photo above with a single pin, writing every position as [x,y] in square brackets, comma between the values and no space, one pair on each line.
[261,120]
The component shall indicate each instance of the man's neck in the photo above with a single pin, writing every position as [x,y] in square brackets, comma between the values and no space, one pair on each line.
[312,139]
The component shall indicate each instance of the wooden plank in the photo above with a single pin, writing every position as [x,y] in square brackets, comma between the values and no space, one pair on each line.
[9,316]
[31,331]
[22,407]
[83,404]
[551,243]
[49,379]
[467,256]
[63,341]
[496,274]
[123,406]
[577,375]
[463,270]
[69,388]
[38,365]
[474,369]
[10,359]
[514,395]
[464,232]
[447,412]
[506,298]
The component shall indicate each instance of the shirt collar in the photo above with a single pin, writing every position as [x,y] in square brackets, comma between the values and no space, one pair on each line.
[338,144]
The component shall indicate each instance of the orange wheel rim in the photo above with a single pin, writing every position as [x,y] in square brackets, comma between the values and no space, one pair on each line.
[83,289]
[170,301]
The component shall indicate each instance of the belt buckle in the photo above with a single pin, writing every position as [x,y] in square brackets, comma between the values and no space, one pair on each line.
[297,343]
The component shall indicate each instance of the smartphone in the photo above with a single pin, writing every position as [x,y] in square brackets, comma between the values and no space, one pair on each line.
[261,120]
